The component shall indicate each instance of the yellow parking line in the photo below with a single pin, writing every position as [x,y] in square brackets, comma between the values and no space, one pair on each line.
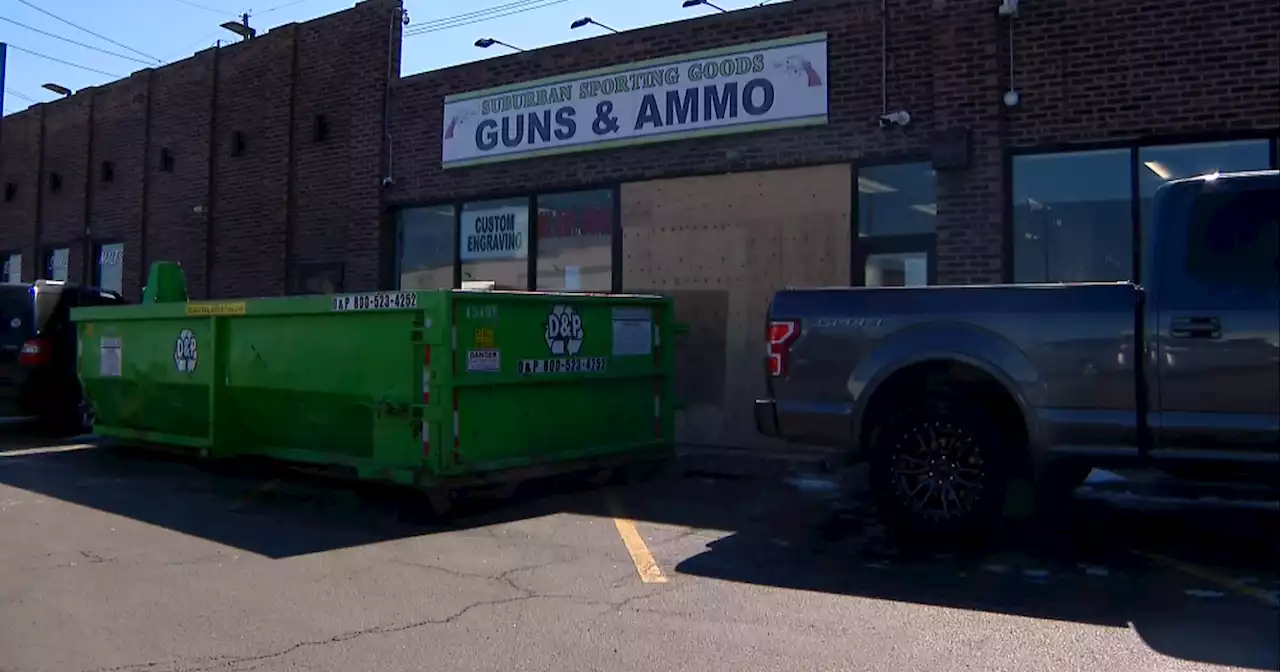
[646,566]
[43,450]
[1217,578]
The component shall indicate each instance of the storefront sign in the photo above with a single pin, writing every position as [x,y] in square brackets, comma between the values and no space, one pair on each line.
[751,87]
[500,233]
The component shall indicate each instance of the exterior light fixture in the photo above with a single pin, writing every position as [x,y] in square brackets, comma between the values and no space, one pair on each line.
[486,42]
[242,29]
[586,21]
[694,3]
[56,88]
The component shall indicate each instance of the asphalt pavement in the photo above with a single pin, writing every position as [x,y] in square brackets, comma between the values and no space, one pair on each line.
[125,561]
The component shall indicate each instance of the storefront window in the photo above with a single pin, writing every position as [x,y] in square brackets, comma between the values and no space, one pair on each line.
[111,267]
[13,268]
[426,238]
[575,241]
[897,223]
[897,270]
[494,244]
[1072,217]
[897,200]
[56,263]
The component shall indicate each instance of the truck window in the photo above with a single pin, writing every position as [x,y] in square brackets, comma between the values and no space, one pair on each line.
[1234,238]
[16,315]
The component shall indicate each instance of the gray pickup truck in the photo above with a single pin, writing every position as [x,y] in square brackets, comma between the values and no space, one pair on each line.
[954,394]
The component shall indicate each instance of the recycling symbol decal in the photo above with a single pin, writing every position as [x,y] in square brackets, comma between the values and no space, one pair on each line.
[564,331]
[186,352]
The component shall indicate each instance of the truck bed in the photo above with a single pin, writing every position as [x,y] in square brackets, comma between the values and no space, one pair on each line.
[1068,348]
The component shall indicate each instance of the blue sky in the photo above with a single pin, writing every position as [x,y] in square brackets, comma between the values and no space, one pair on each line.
[169,30]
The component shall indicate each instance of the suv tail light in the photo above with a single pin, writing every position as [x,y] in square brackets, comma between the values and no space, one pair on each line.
[35,352]
[781,334]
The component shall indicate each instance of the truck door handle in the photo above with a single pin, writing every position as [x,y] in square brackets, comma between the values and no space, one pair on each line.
[1195,327]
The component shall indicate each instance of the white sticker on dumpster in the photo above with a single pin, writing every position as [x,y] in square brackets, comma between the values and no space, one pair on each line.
[484,361]
[632,332]
[186,352]
[109,360]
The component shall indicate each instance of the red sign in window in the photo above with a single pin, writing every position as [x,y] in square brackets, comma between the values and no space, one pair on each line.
[568,223]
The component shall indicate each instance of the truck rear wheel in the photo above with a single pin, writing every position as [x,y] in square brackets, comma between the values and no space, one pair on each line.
[941,468]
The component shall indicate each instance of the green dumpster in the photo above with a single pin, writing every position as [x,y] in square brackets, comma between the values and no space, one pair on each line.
[425,388]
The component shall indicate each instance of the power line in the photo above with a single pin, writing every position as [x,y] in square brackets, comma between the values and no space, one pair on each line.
[481,16]
[19,94]
[284,5]
[480,12]
[186,52]
[80,44]
[82,28]
[497,11]
[59,60]
[206,8]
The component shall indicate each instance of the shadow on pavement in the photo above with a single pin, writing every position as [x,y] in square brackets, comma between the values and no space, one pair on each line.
[1102,560]
[261,511]
[1098,561]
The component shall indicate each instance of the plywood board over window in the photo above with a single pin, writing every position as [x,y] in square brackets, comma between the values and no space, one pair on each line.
[721,245]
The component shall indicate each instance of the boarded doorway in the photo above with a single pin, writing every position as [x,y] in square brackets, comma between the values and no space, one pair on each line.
[721,245]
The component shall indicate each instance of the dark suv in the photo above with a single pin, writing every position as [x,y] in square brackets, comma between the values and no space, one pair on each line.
[38,352]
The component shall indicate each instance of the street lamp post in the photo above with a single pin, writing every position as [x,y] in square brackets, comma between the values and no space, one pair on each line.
[486,42]
[694,3]
[586,21]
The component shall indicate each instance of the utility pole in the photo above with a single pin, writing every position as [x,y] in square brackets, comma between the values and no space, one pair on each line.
[4,62]
[4,68]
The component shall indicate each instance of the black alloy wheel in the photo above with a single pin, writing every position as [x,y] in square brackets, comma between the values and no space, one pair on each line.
[940,469]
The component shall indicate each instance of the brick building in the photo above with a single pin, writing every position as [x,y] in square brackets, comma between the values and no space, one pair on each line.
[302,160]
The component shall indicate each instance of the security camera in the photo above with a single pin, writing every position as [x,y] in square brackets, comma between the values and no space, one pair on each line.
[899,118]
[1008,8]
[388,181]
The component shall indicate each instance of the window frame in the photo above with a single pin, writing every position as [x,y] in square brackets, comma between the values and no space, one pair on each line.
[46,252]
[95,263]
[863,247]
[615,234]
[615,231]
[1134,147]
[4,260]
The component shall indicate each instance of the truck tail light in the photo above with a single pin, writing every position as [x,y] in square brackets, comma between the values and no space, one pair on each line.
[35,352]
[781,334]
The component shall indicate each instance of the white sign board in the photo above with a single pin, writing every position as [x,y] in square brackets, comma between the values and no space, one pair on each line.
[751,87]
[500,233]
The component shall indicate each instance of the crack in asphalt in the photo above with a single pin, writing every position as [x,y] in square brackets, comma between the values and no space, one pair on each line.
[505,577]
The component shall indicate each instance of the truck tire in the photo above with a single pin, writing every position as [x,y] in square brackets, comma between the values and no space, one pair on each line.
[941,467]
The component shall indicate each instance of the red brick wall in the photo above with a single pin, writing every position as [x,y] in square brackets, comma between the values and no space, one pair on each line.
[119,137]
[61,222]
[181,97]
[255,86]
[19,165]
[1097,70]
[285,199]
[1088,70]
[338,193]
